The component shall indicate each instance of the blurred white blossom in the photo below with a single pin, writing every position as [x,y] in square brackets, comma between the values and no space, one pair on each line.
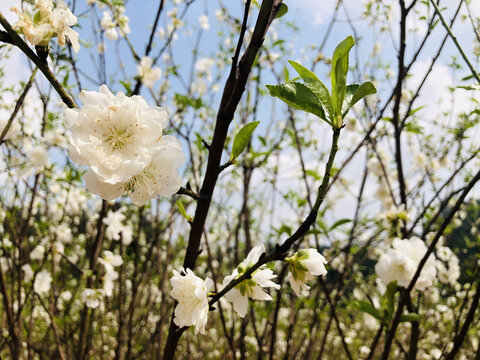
[113,220]
[109,26]
[92,298]
[37,157]
[401,261]
[37,253]
[28,272]
[13,131]
[147,74]
[42,282]
[203,20]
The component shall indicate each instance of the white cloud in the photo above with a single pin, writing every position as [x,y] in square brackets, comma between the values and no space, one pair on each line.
[435,95]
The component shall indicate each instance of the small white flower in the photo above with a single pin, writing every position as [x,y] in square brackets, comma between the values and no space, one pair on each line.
[42,283]
[113,220]
[127,234]
[37,157]
[108,282]
[64,233]
[148,74]
[37,253]
[109,261]
[173,13]
[109,26]
[56,137]
[304,266]
[62,19]
[204,65]
[219,14]
[92,298]
[123,21]
[250,288]
[191,292]
[66,295]
[28,273]
[203,20]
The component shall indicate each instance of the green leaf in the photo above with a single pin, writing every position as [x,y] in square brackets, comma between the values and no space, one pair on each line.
[469,87]
[410,317]
[368,308]
[37,17]
[354,93]
[367,88]
[413,111]
[185,101]
[390,296]
[313,174]
[467,77]
[127,87]
[314,84]
[413,127]
[313,231]
[284,229]
[242,138]
[282,11]
[300,97]
[339,73]
[349,91]
[182,211]
[339,223]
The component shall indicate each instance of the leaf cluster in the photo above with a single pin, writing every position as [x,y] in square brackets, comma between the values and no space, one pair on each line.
[314,97]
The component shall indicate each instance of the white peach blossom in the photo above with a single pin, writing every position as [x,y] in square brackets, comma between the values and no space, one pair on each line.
[303,266]
[250,288]
[191,292]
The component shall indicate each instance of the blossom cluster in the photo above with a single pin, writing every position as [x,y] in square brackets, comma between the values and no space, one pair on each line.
[121,139]
[110,23]
[400,262]
[191,292]
[48,22]
[93,297]
[147,73]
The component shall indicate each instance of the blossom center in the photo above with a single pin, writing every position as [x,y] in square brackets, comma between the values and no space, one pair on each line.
[117,138]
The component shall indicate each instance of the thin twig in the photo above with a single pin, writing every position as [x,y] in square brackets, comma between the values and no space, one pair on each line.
[457,44]
[18,105]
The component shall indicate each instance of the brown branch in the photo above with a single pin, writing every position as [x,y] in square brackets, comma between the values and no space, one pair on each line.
[460,337]
[93,257]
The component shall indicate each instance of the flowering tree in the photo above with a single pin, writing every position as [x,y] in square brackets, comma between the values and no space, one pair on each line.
[179,187]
